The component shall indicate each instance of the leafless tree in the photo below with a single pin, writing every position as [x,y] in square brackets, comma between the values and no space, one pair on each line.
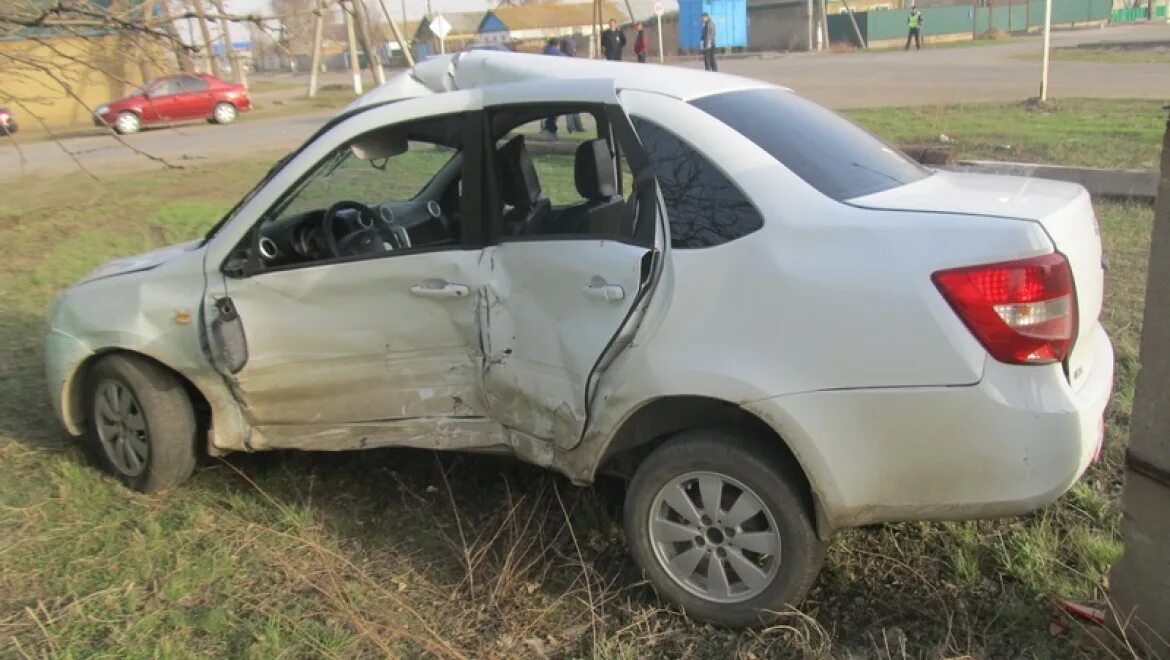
[89,51]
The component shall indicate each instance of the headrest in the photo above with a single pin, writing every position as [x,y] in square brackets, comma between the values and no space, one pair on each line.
[593,171]
[519,184]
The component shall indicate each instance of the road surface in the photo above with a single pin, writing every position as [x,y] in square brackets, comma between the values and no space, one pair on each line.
[938,75]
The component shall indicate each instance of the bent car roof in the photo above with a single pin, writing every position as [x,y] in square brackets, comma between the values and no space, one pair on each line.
[485,68]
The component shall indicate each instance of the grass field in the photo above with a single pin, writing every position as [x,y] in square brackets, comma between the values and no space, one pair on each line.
[1112,133]
[1105,55]
[407,553]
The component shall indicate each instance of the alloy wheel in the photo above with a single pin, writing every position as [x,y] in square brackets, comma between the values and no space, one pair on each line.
[714,537]
[121,427]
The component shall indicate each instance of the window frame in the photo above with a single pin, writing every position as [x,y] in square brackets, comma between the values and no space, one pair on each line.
[471,216]
[614,126]
[186,81]
[713,164]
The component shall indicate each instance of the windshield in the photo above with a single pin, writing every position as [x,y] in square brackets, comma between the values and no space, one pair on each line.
[833,155]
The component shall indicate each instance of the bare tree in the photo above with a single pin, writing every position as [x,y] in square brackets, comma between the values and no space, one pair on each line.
[60,58]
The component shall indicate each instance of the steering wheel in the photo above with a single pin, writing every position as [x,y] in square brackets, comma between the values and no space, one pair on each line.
[367,239]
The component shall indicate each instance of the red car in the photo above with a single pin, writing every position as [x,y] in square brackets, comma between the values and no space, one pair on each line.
[181,97]
[7,123]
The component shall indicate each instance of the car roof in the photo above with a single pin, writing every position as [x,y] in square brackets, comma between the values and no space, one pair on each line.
[478,69]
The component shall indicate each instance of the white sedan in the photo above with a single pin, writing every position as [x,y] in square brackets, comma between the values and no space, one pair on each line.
[772,323]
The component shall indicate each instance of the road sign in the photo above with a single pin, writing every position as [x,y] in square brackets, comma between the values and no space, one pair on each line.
[658,9]
[440,27]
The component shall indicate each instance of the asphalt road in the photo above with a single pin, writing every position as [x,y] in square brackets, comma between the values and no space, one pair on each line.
[938,75]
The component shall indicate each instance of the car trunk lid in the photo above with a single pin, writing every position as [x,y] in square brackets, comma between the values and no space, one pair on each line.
[1064,210]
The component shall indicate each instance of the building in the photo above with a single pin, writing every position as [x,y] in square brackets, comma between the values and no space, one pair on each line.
[464,30]
[528,26]
[57,79]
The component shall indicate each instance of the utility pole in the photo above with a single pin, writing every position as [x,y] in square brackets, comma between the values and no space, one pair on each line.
[811,17]
[403,44]
[200,18]
[225,38]
[1139,584]
[315,65]
[825,23]
[354,63]
[856,30]
[1047,44]
[365,30]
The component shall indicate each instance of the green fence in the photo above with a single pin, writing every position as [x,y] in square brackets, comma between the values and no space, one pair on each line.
[968,19]
[1135,14]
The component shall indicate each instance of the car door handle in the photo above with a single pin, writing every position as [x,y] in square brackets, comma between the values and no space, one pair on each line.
[439,289]
[602,291]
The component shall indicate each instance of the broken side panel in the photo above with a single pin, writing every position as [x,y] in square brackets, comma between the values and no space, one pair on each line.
[348,342]
[550,310]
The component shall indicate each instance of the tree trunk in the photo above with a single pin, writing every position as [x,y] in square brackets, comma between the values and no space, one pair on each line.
[212,60]
[373,60]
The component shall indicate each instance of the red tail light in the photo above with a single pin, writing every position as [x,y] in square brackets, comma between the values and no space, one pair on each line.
[1023,312]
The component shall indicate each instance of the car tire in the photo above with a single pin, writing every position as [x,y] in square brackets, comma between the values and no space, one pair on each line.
[224,113]
[775,550]
[141,426]
[127,122]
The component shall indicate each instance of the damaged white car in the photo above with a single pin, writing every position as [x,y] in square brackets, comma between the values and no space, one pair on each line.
[772,323]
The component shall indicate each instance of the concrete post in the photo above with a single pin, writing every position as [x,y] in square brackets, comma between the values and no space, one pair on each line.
[1139,583]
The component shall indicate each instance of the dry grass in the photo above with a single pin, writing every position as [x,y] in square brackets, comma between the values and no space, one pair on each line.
[411,554]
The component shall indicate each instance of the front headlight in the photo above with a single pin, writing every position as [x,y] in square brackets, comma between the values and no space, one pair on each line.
[102,109]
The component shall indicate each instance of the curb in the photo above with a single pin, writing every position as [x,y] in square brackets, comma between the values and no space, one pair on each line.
[1120,184]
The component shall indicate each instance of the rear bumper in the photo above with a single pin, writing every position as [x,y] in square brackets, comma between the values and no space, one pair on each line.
[1009,444]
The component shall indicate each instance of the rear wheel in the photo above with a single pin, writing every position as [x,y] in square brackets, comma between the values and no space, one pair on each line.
[224,113]
[721,526]
[141,424]
[127,122]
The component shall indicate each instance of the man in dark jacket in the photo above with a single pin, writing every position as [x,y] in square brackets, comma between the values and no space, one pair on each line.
[707,39]
[613,41]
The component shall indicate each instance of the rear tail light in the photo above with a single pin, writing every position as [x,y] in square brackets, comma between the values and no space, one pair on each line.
[1023,312]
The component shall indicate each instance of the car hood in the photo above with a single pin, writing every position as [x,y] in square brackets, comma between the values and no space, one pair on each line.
[140,262]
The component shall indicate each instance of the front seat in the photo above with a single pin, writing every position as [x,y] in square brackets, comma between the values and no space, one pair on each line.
[520,189]
[601,212]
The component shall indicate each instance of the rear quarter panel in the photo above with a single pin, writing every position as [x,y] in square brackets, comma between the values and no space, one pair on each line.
[826,296]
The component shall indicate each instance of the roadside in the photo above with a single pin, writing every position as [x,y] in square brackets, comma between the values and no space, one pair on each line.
[925,79]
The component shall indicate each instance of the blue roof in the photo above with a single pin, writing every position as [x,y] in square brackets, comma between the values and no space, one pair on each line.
[217,47]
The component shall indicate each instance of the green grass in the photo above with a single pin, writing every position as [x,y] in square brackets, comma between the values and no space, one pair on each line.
[406,553]
[1104,55]
[1113,133]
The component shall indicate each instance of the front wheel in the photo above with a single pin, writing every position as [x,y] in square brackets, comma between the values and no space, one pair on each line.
[141,424]
[224,113]
[127,122]
[721,526]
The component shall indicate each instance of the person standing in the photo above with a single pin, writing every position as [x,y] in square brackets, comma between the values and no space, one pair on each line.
[572,122]
[640,43]
[549,126]
[915,33]
[613,41]
[707,39]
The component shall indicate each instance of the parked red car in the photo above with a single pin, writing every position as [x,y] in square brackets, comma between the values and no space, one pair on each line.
[7,123]
[170,99]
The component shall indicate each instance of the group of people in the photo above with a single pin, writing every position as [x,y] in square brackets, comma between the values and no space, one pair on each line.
[613,42]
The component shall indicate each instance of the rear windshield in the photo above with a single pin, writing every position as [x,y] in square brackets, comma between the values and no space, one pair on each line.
[835,156]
